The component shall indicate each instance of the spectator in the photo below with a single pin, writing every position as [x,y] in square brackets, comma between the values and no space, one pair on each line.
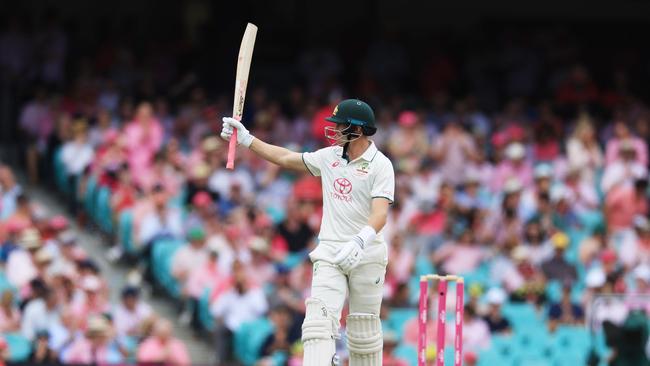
[494,318]
[9,192]
[476,332]
[77,154]
[162,347]
[624,137]
[41,353]
[96,346]
[624,170]
[452,149]
[40,313]
[409,142]
[131,314]
[388,357]
[20,264]
[238,305]
[635,249]
[189,256]
[92,302]
[557,268]
[514,167]
[37,123]
[462,256]
[143,138]
[285,332]
[565,311]
[161,222]
[9,313]
[583,152]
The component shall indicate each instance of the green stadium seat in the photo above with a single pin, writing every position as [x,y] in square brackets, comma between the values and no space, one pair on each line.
[522,315]
[205,318]
[125,232]
[407,353]
[162,254]
[104,214]
[398,318]
[249,338]
[19,347]
[89,196]
[492,357]
[571,338]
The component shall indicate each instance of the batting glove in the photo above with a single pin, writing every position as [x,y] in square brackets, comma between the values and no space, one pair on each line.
[351,253]
[243,136]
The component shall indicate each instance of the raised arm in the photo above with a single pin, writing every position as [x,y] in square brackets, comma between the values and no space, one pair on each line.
[275,154]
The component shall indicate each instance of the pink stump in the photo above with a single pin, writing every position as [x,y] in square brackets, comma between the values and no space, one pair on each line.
[442,317]
[422,323]
[460,307]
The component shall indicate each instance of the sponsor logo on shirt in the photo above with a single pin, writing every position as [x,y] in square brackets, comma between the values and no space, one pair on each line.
[335,164]
[362,170]
[342,189]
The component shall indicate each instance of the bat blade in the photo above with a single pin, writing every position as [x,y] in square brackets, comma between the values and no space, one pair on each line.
[241,82]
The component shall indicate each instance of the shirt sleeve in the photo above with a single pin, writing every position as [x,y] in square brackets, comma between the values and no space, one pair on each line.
[384,183]
[313,161]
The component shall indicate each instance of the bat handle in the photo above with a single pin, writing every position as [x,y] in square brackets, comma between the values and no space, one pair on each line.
[232,147]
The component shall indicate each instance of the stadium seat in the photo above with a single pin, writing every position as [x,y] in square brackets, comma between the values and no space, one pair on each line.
[407,353]
[571,338]
[522,315]
[492,357]
[249,338]
[205,318]
[89,196]
[399,317]
[104,214]
[60,176]
[161,261]
[423,266]
[19,347]
[125,232]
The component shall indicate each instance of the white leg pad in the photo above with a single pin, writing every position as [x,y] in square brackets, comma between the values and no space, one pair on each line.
[365,339]
[319,347]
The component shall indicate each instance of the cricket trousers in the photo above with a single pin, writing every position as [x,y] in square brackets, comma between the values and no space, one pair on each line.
[364,284]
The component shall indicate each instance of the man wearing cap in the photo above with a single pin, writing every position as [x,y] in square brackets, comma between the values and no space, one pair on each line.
[358,185]
[20,267]
[131,313]
[558,268]
[514,166]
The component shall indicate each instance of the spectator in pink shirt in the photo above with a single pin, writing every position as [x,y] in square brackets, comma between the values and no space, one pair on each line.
[453,149]
[515,166]
[143,139]
[623,134]
[161,348]
[95,347]
[401,264]
[463,256]
[583,150]
[91,302]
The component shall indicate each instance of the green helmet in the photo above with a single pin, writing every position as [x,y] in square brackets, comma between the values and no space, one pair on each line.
[355,112]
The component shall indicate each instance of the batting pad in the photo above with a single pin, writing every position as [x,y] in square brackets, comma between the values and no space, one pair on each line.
[318,340]
[365,340]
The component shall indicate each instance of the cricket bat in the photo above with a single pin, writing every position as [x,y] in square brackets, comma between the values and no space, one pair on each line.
[241,81]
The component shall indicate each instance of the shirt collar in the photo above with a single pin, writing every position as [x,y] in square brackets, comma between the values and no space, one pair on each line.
[370,152]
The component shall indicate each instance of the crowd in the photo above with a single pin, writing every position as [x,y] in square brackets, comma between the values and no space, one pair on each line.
[541,201]
[55,306]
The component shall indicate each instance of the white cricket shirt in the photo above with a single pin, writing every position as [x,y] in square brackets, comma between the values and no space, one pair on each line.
[348,189]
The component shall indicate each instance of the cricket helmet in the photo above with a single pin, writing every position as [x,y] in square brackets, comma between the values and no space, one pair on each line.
[352,112]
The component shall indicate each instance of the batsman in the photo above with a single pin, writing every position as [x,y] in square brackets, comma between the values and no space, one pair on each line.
[358,186]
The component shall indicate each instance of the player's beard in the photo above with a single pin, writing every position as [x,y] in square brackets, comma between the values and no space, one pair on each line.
[338,137]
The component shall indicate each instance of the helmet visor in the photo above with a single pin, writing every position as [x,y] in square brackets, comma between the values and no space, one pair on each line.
[340,134]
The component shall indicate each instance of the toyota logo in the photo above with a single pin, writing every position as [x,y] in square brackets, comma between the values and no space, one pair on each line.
[342,186]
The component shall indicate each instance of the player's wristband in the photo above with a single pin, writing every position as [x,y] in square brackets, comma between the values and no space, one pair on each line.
[367,235]
[247,140]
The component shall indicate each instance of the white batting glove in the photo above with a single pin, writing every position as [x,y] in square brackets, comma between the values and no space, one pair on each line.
[243,136]
[352,252]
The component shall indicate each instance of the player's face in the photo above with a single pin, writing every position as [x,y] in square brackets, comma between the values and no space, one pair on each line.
[341,134]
